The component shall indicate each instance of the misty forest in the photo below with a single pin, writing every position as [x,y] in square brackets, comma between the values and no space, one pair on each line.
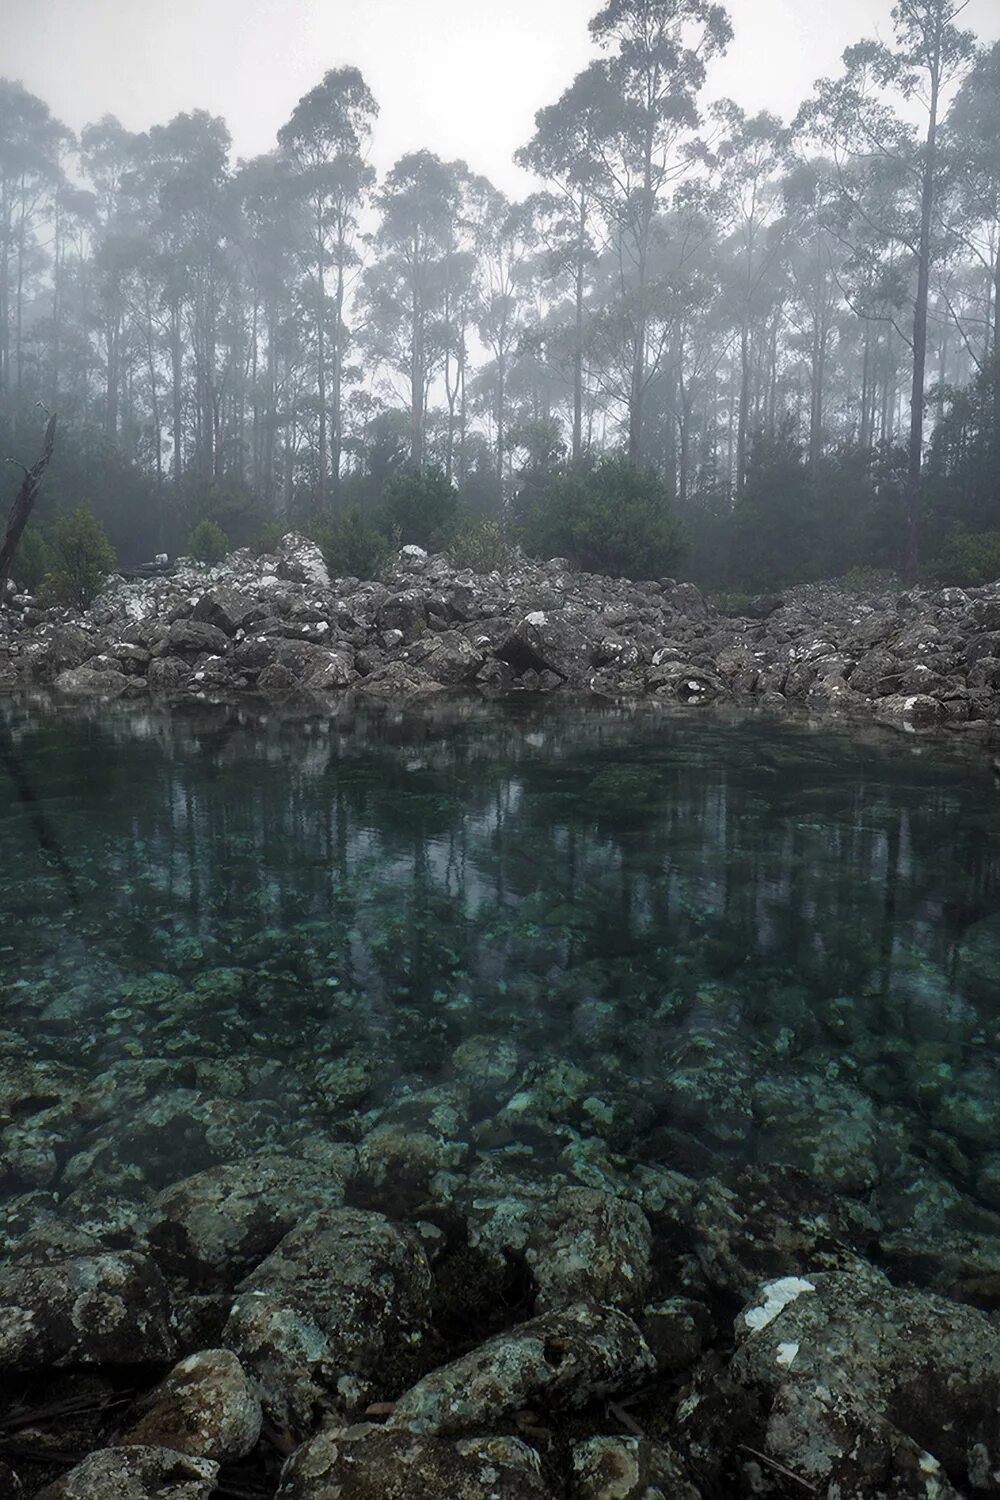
[782,335]
[499,765]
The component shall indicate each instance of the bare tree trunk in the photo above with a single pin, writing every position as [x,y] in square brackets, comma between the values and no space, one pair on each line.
[916,445]
[23,503]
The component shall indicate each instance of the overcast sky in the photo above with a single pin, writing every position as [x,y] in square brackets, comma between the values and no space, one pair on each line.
[462,77]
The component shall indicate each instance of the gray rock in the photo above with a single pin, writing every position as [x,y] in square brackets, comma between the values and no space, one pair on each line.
[627,1468]
[136,1474]
[316,1322]
[301,561]
[91,1309]
[562,1360]
[873,1389]
[192,637]
[205,1407]
[212,1228]
[369,1463]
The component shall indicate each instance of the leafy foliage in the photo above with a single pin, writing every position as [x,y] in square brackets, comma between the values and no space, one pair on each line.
[421,506]
[609,517]
[208,542]
[81,560]
[353,547]
[969,559]
[482,546]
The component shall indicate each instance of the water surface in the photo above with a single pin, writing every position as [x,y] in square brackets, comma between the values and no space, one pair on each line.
[635,939]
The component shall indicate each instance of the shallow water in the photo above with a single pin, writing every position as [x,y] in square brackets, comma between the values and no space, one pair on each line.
[695,942]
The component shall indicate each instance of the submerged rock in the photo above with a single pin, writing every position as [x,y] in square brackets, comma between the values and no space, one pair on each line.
[872,1388]
[341,1297]
[92,1309]
[143,1473]
[210,1229]
[369,1463]
[627,1468]
[205,1407]
[563,1359]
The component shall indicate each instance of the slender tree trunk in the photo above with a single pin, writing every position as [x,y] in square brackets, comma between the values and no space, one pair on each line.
[578,344]
[321,349]
[916,443]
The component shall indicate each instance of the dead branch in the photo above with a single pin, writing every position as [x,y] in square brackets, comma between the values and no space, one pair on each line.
[23,503]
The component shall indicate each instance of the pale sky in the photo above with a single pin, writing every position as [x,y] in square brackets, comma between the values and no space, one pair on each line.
[460,77]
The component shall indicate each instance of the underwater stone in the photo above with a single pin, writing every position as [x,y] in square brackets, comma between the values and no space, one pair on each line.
[369,1463]
[675,1331]
[205,1407]
[144,1473]
[865,1377]
[627,1468]
[335,1302]
[92,1309]
[563,1360]
[581,1245]
[213,1227]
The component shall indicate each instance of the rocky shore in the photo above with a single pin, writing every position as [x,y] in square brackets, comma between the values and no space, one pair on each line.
[278,626]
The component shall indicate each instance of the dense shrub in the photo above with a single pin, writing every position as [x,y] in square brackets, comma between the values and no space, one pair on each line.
[968,559]
[32,561]
[422,507]
[353,547]
[482,546]
[609,517]
[80,560]
[208,543]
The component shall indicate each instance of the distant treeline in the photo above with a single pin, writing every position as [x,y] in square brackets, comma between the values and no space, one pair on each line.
[785,338]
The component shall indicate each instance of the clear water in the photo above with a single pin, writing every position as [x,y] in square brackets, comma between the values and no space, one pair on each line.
[761,946]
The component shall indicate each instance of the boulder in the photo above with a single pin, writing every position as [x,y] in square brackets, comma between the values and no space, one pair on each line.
[917,711]
[301,561]
[205,1407]
[91,682]
[561,1360]
[212,1228]
[873,1389]
[369,1463]
[136,1474]
[110,1308]
[317,1321]
[226,609]
[194,637]
[627,1468]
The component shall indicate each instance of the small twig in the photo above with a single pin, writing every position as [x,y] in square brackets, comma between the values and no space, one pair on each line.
[629,1423]
[779,1468]
[380,1409]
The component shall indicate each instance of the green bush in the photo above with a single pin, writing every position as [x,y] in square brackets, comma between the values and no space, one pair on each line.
[422,506]
[32,561]
[208,543]
[81,558]
[610,517]
[968,559]
[481,546]
[268,537]
[353,547]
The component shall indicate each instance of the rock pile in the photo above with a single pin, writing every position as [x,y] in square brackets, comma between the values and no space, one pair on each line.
[278,625]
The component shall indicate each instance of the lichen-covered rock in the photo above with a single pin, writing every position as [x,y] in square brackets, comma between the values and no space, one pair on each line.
[205,1407]
[226,609]
[301,561]
[581,1245]
[210,1229]
[915,711]
[91,1309]
[92,682]
[873,1389]
[369,1463]
[317,1321]
[627,1468]
[415,1138]
[563,1360]
[136,1474]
